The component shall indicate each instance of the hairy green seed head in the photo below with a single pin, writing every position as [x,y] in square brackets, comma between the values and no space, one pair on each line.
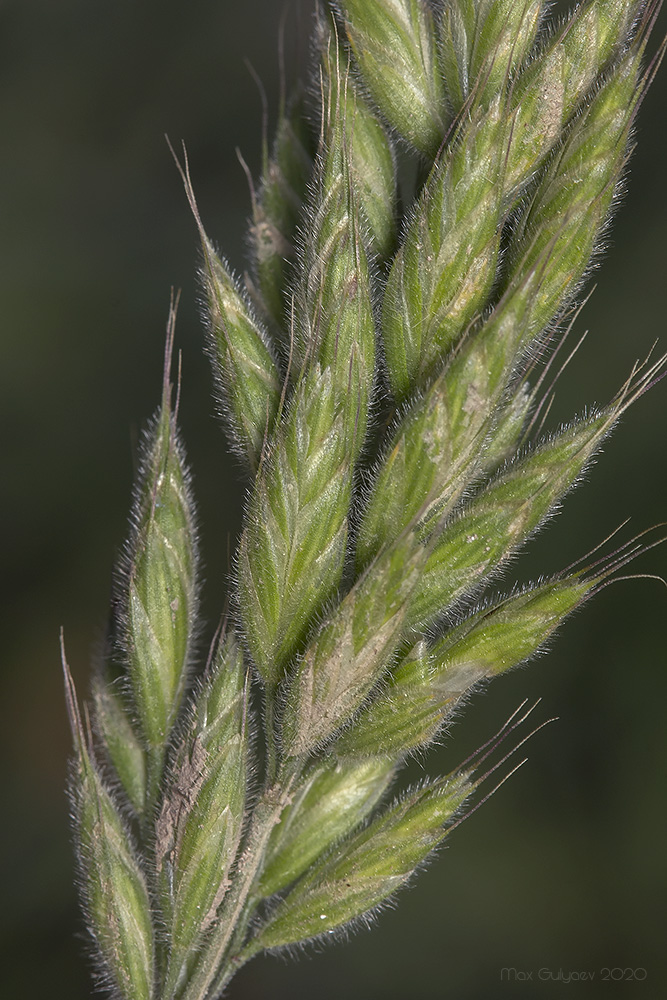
[397,56]
[115,891]
[368,867]
[412,261]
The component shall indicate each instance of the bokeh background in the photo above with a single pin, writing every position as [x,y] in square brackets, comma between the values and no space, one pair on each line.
[564,869]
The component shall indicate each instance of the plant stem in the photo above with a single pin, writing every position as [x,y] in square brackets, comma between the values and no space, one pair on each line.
[270,733]
[154,773]
[237,955]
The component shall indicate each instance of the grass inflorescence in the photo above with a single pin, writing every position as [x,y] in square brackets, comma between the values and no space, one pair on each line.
[414,262]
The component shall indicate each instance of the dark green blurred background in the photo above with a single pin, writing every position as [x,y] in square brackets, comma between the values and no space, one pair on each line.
[565,867]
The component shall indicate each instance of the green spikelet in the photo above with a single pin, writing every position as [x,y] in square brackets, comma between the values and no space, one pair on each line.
[243,365]
[245,372]
[338,331]
[333,799]
[552,87]
[482,44]
[429,682]
[114,887]
[349,653]
[436,446]
[199,827]
[292,550]
[445,270]
[395,49]
[502,516]
[123,745]
[367,868]
[371,153]
[277,211]
[159,590]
